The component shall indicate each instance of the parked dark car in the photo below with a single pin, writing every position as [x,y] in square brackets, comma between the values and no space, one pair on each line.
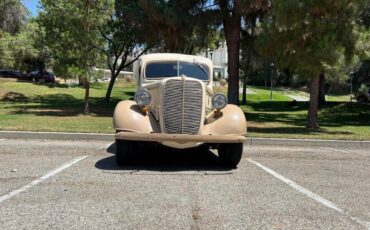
[363,97]
[39,76]
[10,73]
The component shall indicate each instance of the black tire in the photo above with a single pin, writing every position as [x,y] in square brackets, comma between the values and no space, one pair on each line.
[124,152]
[230,154]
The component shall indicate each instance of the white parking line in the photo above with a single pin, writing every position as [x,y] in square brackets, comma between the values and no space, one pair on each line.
[337,150]
[105,147]
[310,194]
[41,179]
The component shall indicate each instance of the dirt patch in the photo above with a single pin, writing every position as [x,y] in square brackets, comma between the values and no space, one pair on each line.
[14,97]
[49,112]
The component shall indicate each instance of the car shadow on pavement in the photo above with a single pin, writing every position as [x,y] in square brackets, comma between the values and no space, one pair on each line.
[165,160]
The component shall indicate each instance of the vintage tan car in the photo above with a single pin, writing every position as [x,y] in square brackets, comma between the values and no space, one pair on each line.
[175,106]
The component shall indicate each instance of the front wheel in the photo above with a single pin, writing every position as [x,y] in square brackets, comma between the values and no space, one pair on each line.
[124,151]
[230,154]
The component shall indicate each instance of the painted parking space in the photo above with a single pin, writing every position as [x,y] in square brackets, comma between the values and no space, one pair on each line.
[172,191]
[24,161]
[338,175]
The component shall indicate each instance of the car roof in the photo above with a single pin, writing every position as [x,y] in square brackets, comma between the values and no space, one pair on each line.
[174,57]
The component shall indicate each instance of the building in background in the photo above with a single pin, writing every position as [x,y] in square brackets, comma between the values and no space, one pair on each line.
[219,59]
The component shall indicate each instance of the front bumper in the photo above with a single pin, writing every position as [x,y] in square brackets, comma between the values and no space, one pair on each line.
[180,138]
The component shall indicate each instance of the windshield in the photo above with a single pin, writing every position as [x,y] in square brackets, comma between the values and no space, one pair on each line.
[174,69]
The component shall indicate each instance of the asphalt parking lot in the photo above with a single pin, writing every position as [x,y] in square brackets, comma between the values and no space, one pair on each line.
[48,184]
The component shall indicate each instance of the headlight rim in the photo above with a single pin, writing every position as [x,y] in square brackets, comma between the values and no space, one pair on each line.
[148,93]
[213,100]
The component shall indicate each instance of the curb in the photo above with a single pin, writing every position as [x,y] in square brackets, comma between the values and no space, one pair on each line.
[250,141]
[307,142]
[55,135]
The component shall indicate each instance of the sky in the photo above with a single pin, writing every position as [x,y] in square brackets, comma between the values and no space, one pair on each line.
[31,5]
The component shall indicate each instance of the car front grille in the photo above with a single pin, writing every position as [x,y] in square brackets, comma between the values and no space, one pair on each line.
[182,106]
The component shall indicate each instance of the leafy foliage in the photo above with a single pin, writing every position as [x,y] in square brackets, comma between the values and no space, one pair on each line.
[6,55]
[253,11]
[308,37]
[13,16]
[73,29]
[126,36]
[363,88]
[73,32]
[180,25]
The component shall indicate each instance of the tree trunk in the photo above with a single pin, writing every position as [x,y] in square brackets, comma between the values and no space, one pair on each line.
[312,109]
[244,100]
[250,48]
[233,67]
[288,78]
[322,91]
[249,59]
[87,94]
[110,87]
[366,78]
[231,20]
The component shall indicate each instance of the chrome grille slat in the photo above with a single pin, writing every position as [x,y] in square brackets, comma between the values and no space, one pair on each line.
[182,106]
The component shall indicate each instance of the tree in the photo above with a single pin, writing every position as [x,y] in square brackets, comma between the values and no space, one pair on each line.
[72,29]
[364,17]
[322,90]
[28,49]
[181,26]
[126,36]
[362,74]
[253,11]
[13,15]
[6,56]
[189,26]
[306,36]
[23,50]
[167,26]
[230,11]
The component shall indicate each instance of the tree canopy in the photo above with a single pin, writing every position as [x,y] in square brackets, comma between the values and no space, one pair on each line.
[127,37]
[13,15]
[72,29]
[307,37]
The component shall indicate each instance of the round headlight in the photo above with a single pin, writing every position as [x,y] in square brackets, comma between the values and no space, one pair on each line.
[219,101]
[143,97]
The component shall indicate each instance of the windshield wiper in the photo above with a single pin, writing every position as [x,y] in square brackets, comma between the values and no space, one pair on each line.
[195,61]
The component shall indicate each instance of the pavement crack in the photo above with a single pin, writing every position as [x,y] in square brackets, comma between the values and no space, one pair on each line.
[196,216]
[123,173]
[195,209]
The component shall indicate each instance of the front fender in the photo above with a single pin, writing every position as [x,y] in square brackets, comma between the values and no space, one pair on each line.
[232,122]
[129,117]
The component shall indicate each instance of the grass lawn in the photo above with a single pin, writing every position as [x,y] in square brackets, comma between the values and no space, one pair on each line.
[35,107]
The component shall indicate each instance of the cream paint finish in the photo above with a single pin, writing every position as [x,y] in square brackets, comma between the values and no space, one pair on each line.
[230,127]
